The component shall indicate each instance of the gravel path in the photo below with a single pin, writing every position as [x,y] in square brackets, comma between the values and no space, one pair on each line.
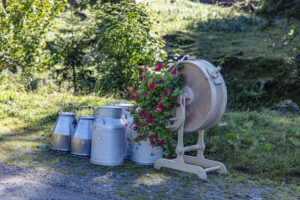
[21,183]
[128,182]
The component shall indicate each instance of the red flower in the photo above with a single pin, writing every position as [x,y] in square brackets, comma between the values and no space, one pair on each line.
[128,139]
[158,68]
[144,78]
[125,116]
[160,142]
[146,94]
[152,85]
[162,96]
[159,107]
[153,137]
[126,125]
[140,137]
[181,75]
[162,80]
[145,69]
[149,121]
[167,92]
[133,98]
[173,72]
[126,91]
[133,91]
[145,115]
[178,105]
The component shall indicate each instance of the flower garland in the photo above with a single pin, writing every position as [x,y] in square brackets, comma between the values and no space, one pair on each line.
[155,95]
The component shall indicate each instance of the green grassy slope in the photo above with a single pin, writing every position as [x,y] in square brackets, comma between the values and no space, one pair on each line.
[259,57]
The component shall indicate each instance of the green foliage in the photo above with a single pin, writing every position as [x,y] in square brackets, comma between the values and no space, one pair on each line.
[83,4]
[260,59]
[23,26]
[123,42]
[262,143]
[283,8]
[155,96]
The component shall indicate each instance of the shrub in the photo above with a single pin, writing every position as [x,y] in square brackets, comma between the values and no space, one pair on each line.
[123,42]
[155,97]
[286,8]
[23,26]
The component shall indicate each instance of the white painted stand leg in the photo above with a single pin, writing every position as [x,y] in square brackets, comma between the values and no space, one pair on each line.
[189,163]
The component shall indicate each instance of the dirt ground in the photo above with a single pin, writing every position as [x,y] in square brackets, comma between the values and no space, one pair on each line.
[142,182]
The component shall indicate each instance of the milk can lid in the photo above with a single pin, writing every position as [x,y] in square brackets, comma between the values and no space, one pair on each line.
[87,117]
[67,113]
[110,112]
[127,105]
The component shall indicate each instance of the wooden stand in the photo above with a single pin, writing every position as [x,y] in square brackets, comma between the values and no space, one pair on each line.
[191,164]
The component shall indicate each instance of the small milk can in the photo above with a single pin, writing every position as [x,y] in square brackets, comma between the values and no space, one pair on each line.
[108,133]
[126,120]
[64,129]
[143,153]
[81,141]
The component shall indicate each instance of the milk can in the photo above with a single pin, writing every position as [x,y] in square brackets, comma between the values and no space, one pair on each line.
[108,133]
[126,120]
[143,153]
[64,129]
[81,141]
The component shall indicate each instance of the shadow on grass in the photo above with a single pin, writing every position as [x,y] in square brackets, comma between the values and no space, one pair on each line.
[257,75]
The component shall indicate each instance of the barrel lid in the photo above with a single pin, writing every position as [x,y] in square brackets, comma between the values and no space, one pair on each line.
[67,113]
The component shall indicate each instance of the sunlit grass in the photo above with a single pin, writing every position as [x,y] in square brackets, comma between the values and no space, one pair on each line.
[184,15]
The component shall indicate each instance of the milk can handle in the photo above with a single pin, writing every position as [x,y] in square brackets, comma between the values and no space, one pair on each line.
[112,102]
[96,110]
[86,107]
[122,100]
[65,104]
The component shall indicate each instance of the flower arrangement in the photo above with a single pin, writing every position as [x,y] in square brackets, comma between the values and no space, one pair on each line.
[155,95]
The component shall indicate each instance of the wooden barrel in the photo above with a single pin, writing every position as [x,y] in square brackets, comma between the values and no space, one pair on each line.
[209,100]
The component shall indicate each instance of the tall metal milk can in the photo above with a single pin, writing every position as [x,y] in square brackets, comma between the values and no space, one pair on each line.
[64,129]
[127,121]
[108,133]
[82,138]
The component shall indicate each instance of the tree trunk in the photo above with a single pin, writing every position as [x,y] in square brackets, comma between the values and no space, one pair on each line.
[4,4]
[74,78]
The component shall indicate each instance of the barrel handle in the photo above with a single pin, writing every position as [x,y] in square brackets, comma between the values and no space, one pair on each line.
[112,102]
[185,57]
[86,107]
[122,100]
[63,104]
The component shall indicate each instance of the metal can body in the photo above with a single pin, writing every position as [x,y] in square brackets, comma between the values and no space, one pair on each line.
[81,141]
[126,119]
[144,154]
[62,132]
[108,133]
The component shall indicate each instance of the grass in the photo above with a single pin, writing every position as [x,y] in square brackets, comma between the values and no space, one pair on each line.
[259,148]
[212,32]
[264,144]
[260,58]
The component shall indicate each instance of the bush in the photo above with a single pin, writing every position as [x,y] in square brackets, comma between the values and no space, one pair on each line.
[286,8]
[123,42]
[23,27]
